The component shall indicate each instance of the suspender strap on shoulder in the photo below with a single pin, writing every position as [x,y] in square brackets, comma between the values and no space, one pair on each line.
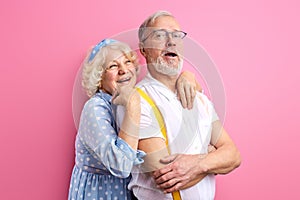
[159,118]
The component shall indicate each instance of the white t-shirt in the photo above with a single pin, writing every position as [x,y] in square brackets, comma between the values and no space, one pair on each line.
[188,131]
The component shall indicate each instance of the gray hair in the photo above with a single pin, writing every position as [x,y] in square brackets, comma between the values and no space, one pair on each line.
[92,71]
[149,21]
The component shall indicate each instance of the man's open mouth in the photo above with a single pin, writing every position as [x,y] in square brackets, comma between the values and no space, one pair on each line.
[170,54]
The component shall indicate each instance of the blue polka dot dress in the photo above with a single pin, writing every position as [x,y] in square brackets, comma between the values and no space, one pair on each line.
[103,160]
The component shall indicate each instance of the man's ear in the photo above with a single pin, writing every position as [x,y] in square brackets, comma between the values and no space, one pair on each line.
[142,49]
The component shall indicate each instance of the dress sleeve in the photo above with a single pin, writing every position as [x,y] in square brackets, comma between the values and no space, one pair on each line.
[97,132]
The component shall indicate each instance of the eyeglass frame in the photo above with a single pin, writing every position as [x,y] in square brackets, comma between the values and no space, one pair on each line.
[167,32]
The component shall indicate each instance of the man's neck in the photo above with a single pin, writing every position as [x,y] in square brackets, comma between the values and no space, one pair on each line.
[167,80]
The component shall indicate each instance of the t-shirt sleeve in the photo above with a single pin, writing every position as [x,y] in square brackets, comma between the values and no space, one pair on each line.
[215,135]
[213,117]
[149,126]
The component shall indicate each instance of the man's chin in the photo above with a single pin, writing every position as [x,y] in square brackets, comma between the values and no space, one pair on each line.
[168,70]
[169,67]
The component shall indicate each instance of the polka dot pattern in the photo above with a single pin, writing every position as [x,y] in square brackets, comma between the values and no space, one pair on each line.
[103,160]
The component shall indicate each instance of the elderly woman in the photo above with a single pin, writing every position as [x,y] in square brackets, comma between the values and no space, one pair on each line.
[106,153]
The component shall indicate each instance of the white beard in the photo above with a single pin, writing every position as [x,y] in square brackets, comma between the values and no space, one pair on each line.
[166,68]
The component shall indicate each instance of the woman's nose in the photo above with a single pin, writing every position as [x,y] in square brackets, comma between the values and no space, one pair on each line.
[122,69]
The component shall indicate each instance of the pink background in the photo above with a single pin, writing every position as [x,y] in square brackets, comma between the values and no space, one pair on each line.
[255,45]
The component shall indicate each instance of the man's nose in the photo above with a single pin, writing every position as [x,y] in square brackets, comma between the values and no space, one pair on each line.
[170,42]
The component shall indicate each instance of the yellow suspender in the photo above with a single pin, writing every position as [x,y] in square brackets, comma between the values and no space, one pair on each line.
[176,194]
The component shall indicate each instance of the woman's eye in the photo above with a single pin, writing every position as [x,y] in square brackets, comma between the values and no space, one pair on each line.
[128,62]
[113,67]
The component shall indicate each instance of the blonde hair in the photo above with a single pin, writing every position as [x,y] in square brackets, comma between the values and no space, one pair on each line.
[92,70]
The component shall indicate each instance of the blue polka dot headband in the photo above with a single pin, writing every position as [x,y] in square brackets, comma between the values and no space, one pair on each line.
[101,44]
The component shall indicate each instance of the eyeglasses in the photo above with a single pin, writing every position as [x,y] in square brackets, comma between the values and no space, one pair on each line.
[162,35]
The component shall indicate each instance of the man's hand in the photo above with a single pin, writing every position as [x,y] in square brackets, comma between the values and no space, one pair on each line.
[183,171]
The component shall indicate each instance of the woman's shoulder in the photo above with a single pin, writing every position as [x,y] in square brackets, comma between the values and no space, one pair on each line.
[97,100]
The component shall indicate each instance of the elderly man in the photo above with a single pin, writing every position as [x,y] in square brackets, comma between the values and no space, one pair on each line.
[167,128]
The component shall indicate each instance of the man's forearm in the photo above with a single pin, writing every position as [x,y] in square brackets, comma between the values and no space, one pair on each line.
[222,161]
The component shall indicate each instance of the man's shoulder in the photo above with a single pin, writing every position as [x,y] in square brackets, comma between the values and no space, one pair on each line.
[145,82]
[203,98]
